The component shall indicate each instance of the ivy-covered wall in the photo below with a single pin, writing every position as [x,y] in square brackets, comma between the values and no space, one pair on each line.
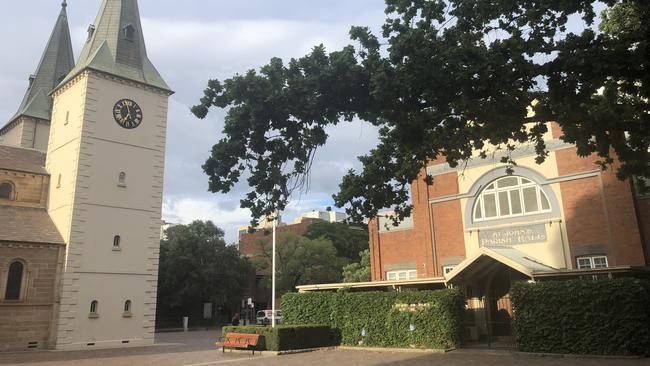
[425,319]
[600,317]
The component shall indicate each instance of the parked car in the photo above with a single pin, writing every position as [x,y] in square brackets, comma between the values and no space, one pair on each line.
[264,317]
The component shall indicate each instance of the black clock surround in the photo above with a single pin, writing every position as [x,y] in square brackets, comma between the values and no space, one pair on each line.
[127,114]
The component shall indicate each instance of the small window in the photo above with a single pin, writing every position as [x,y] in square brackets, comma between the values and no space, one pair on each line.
[401,275]
[117,242]
[129,33]
[94,307]
[58,181]
[14,281]
[447,269]
[127,306]
[7,191]
[91,32]
[592,262]
[67,117]
[121,179]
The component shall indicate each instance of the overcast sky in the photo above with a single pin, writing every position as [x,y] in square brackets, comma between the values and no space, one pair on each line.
[191,41]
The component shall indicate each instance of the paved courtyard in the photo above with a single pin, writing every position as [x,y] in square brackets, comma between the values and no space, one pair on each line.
[196,349]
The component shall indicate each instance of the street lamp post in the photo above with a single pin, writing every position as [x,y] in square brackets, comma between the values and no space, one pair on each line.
[273,276]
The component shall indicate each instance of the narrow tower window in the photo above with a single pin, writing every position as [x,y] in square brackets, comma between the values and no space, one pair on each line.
[7,191]
[121,180]
[58,181]
[91,32]
[14,281]
[129,33]
[67,117]
[117,242]
[127,306]
[94,308]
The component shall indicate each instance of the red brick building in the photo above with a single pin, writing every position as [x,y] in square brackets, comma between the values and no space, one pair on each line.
[480,229]
[572,211]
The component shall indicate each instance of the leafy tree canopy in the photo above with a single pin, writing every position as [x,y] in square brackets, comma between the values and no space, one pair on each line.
[196,267]
[300,261]
[444,79]
[348,240]
[358,272]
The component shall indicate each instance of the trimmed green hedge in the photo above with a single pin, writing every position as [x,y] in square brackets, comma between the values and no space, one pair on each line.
[288,337]
[385,316]
[603,317]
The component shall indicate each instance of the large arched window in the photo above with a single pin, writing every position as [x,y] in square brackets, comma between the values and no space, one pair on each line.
[6,191]
[510,196]
[14,281]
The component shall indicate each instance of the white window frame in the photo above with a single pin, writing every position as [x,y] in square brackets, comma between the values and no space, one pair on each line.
[591,261]
[402,275]
[493,189]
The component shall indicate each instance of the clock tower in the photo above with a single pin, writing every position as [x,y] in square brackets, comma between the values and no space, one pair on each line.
[105,158]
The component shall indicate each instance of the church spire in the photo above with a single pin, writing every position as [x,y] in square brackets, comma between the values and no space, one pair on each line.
[56,63]
[115,45]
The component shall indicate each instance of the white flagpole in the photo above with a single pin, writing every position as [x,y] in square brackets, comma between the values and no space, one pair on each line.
[273,276]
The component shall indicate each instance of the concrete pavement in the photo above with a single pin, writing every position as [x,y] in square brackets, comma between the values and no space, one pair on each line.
[197,349]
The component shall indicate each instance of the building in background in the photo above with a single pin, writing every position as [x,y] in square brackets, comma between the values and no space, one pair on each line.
[163,228]
[81,192]
[248,245]
[328,216]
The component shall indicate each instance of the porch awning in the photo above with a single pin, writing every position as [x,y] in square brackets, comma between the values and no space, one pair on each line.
[506,255]
[424,283]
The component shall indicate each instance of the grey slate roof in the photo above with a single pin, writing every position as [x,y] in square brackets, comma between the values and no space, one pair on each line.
[107,48]
[26,224]
[22,160]
[55,64]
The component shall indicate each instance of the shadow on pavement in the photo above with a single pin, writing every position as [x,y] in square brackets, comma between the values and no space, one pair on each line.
[166,343]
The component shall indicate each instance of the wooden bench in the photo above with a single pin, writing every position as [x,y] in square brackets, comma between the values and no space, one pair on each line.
[239,340]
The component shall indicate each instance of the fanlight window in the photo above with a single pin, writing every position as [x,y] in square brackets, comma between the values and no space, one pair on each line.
[510,197]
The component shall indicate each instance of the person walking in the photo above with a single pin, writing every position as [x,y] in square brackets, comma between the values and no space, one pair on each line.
[235,319]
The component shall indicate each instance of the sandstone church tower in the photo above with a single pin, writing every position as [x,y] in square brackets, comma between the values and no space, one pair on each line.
[105,159]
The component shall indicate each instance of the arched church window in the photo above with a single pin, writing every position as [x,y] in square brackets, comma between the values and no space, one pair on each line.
[117,242]
[510,196]
[14,281]
[94,306]
[58,181]
[127,306]
[129,33]
[7,191]
[121,180]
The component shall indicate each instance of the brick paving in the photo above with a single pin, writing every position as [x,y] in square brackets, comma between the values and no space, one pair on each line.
[196,349]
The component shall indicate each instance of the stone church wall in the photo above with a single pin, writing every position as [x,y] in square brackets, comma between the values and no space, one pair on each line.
[27,323]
